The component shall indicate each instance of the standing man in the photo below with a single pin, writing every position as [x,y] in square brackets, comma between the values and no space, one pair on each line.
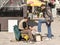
[47,18]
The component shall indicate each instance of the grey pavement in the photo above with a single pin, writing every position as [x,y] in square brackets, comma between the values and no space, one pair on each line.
[6,37]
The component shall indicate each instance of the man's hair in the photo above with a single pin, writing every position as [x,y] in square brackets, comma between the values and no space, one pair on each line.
[43,5]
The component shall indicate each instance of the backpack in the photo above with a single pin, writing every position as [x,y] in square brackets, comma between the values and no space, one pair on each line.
[17,33]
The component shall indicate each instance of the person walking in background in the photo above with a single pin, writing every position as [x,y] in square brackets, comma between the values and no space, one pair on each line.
[51,4]
[47,18]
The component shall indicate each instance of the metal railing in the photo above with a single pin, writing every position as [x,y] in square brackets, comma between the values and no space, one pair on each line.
[3,2]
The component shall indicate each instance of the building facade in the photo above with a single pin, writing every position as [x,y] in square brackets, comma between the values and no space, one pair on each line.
[12,10]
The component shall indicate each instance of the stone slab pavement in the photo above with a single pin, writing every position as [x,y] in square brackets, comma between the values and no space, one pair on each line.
[6,37]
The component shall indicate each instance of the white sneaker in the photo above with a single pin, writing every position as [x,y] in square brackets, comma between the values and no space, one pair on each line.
[38,32]
[48,39]
[31,42]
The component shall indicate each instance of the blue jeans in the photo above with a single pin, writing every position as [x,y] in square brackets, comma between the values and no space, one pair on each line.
[48,27]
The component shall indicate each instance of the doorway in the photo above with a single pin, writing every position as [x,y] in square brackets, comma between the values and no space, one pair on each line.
[11,24]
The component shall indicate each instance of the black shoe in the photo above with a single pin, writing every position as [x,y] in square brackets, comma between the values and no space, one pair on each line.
[51,35]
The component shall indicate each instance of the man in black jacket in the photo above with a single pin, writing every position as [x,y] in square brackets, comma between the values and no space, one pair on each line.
[47,15]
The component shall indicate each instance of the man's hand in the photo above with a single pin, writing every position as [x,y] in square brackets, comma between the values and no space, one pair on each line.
[26,28]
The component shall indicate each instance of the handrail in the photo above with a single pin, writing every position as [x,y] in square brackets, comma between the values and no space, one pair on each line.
[18,5]
[3,3]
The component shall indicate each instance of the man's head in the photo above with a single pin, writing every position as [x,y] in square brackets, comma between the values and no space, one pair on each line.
[43,6]
[26,19]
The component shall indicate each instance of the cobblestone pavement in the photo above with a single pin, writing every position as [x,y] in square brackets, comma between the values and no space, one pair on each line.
[6,37]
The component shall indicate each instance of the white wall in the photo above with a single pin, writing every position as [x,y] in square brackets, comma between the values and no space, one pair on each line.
[11,24]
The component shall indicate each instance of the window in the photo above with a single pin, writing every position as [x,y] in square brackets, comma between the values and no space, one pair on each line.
[4,12]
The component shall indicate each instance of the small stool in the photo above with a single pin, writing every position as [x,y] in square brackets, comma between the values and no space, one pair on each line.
[38,37]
